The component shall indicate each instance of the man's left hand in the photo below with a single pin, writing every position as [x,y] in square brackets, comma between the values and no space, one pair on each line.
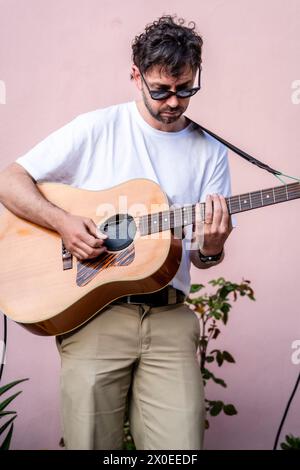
[210,235]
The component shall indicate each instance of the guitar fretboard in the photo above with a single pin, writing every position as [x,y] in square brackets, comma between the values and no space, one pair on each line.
[185,215]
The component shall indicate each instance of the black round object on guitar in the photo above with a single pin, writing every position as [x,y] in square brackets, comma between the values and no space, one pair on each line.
[120,229]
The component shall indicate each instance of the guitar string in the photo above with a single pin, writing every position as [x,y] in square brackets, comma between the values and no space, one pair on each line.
[282,194]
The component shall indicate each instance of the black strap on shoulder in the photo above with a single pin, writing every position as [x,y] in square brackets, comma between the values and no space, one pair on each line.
[241,153]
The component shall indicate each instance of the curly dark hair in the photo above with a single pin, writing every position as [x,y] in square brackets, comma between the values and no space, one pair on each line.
[167,42]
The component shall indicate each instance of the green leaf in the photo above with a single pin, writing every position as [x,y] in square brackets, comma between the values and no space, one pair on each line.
[206,374]
[225,307]
[294,442]
[225,318]
[217,408]
[217,282]
[219,381]
[10,385]
[217,315]
[5,413]
[289,439]
[195,288]
[219,358]
[228,357]
[284,446]
[216,333]
[210,359]
[5,425]
[209,402]
[229,410]
[6,443]
[6,402]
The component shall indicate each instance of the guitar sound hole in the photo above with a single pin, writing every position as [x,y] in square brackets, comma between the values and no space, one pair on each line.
[120,229]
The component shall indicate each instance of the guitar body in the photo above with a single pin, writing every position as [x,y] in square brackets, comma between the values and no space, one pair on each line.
[35,289]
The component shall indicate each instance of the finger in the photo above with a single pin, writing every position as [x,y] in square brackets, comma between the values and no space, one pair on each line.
[217,212]
[88,251]
[93,229]
[79,254]
[91,241]
[98,251]
[226,219]
[208,209]
[199,229]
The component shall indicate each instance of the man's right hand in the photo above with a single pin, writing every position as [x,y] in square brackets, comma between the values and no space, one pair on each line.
[81,237]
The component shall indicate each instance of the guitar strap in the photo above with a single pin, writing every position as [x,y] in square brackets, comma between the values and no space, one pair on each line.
[241,153]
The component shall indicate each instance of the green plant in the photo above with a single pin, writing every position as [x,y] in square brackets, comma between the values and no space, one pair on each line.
[4,414]
[291,443]
[213,311]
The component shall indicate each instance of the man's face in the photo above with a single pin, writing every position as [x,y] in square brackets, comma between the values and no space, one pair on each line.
[169,110]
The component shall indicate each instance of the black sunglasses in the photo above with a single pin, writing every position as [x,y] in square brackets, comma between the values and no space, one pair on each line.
[165,94]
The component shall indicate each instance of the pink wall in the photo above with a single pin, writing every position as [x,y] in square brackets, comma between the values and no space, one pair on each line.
[62,58]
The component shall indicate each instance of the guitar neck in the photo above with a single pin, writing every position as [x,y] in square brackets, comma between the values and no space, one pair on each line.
[182,216]
[262,198]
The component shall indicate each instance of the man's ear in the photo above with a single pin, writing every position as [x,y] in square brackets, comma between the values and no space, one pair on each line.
[136,76]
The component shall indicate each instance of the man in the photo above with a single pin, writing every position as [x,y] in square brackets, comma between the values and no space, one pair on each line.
[140,348]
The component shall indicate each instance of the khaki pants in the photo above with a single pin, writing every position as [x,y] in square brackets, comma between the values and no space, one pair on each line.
[149,353]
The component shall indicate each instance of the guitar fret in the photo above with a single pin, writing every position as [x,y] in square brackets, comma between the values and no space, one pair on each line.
[176,218]
[202,210]
[166,220]
[179,217]
[267,197]
[154,218]
[143,226]
[256,199]
[184,215]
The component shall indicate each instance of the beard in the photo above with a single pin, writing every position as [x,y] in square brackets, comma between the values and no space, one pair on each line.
[158,115]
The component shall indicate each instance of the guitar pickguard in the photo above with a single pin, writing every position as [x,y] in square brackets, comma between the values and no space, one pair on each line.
[87,270]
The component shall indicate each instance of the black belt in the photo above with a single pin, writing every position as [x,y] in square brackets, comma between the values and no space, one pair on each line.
[166,296]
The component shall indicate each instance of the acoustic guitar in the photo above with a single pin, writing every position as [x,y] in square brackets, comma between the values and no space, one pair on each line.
[49,292]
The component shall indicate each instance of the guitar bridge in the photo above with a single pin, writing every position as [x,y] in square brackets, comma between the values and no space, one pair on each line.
[67,258]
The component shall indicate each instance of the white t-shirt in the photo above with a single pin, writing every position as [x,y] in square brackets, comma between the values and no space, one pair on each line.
[102,148]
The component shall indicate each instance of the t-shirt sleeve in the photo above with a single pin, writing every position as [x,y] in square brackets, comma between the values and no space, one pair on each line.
[57,158]
[219,181]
